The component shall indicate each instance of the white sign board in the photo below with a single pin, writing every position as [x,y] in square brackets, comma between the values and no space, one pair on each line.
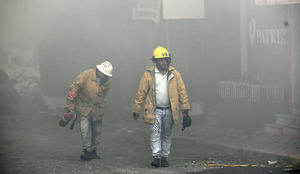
[276,2]
[183,9]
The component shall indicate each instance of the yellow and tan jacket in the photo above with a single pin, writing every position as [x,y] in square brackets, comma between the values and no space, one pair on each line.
[146,94]
[86,95]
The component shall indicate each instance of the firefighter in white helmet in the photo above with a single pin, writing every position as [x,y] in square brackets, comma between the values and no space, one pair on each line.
[163,94]
[87,99]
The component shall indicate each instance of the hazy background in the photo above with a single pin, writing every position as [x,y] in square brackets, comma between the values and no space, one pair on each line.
[61,38]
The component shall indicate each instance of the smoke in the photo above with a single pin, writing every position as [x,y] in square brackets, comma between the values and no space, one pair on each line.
[62,38]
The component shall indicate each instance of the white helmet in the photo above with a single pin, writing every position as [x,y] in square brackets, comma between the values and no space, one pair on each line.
[106,68]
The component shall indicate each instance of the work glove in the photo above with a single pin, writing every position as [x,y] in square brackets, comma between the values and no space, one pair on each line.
[187,120]
[66,118]
[136,116]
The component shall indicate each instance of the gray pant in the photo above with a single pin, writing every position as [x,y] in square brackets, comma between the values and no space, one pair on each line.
[90,132]
[161,133]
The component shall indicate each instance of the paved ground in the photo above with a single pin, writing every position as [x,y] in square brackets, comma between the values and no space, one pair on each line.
[34,143]
[257,140]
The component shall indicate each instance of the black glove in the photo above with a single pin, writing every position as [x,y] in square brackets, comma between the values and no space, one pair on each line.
[136,116]
[186,122]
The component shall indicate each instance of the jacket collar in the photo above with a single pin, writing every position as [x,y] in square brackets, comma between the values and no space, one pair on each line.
[170,72]
[93,75]
[152,69]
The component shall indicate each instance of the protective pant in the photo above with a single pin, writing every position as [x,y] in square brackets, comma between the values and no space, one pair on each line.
[90,132]
[161,133]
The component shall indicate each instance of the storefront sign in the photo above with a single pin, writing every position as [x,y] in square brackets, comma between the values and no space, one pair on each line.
[266,36]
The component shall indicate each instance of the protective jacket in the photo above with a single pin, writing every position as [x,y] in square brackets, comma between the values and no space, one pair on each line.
[146,94]
[87,95]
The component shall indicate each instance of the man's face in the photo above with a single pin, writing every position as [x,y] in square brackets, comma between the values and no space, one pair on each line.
[102,76]
[162,64]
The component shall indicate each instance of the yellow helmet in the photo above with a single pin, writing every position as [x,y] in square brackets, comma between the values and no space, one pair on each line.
[160,53]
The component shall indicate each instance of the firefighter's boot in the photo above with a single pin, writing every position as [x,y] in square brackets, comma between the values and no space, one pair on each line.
[164,162]
[86,156]
[94,155]
[155,161]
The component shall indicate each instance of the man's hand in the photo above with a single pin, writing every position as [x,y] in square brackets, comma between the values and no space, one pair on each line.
[68,115]
[66,118]
[136,116]
[187,120]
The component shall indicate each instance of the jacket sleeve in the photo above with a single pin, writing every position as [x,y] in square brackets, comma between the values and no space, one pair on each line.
[183,96]
[141,93]
[74,89]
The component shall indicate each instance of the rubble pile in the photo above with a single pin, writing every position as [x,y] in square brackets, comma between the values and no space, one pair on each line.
[24,83]
[8,95]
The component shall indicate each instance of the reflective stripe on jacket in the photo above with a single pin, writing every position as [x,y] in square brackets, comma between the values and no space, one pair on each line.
[90,96]
[146,94]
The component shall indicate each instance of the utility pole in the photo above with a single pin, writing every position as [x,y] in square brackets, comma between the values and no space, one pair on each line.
[291,58]
[243,33]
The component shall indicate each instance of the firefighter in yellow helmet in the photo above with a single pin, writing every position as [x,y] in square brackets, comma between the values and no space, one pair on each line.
[163,93]
[87,99]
